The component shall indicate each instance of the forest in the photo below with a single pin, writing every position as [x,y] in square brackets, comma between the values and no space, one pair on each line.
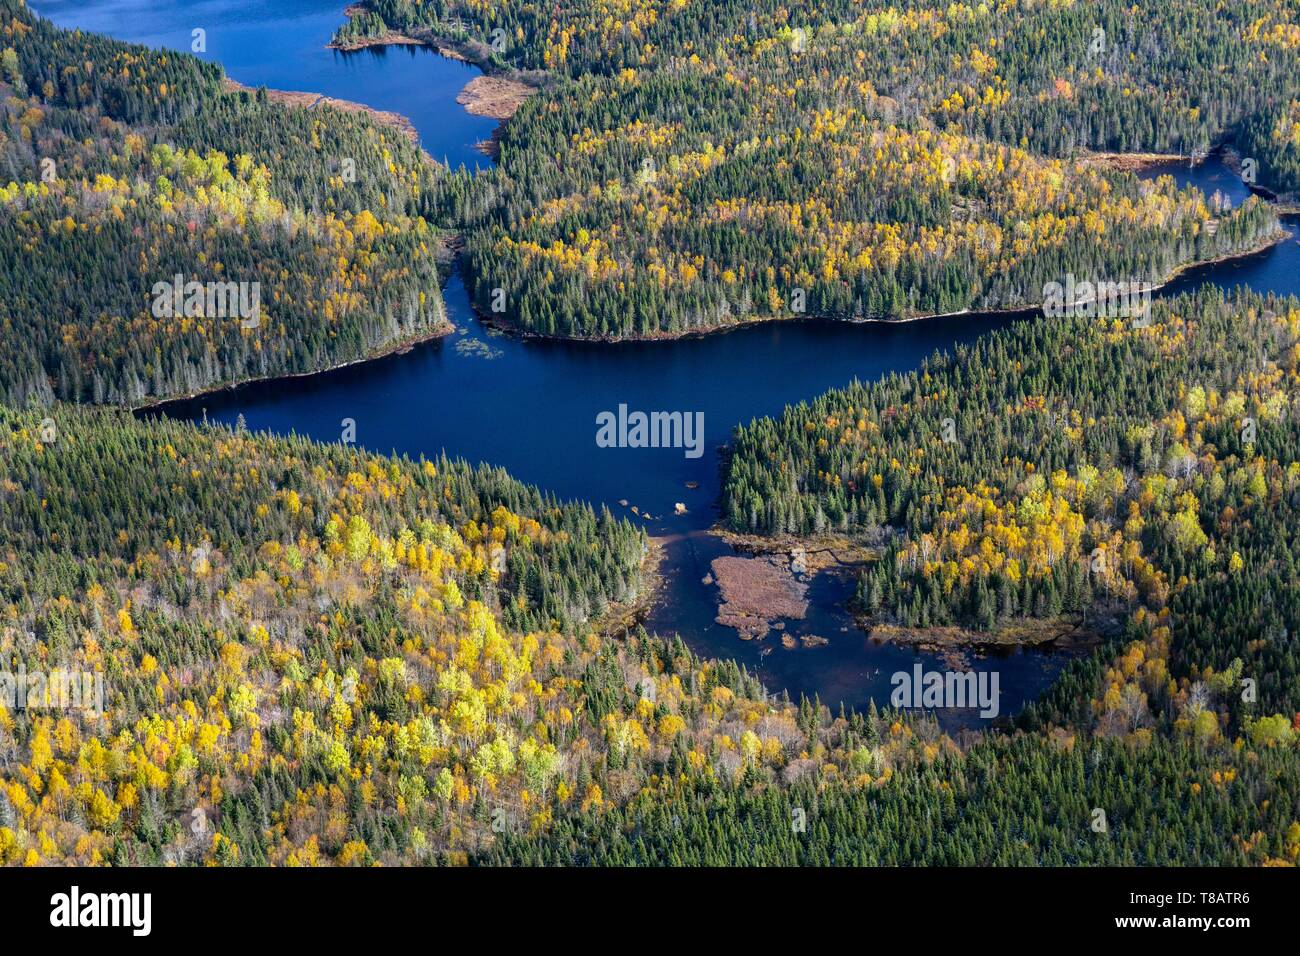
[697,165]
[1144,475]
[318,656]
[1084,467]
[122,167]
[313,655]
[321,654]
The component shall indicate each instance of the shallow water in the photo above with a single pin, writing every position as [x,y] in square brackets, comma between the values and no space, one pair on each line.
[280,44]
[531,406]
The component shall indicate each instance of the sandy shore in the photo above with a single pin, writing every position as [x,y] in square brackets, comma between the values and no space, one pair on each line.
[496,97]
[312,100]
[1131,162]
[391,38]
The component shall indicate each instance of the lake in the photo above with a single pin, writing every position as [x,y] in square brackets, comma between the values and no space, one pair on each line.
[280,44]
[531,406]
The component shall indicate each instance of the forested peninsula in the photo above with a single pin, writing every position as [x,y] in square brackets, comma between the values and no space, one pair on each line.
[694,166]
[312,655]
[125,171]
[317,656]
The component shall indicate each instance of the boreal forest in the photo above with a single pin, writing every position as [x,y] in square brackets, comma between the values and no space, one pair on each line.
[314,654]
[697,165]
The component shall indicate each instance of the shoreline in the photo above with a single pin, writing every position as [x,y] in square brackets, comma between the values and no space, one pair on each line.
[1285,204]
[1134,162]
[309,101]
[1277,238]
[500,86]
[619,619]
[467,51]
[494,97]
[396,347]
[821,551]
[1065,633]
[842,553]
[391,38]
[496,93]
[508,327]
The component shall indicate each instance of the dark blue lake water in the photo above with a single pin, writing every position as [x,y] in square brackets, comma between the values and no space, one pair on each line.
[280,44]
[531,406]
